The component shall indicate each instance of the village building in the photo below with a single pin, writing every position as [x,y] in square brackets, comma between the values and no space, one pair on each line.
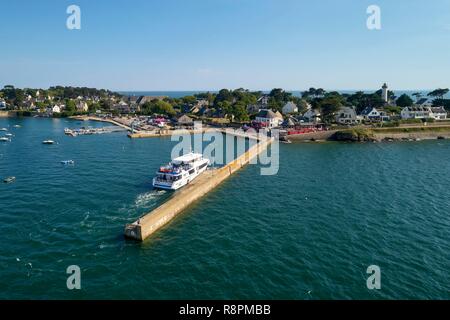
[289,107]
[254,108]
[123,108]
[200,103]
[419,112]
[57,108]
[269,119]
[263,100]
[312,116]
[347,115]
[438,113]
[82,106]
[373,114]
[185,120]
[143,99]
[290,122]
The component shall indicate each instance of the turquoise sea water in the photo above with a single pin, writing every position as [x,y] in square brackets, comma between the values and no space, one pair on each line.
[331,211]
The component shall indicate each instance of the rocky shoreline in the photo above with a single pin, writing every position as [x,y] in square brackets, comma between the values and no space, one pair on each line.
[369,135]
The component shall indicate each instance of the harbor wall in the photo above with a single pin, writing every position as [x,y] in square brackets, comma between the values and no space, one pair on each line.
[166,133]
[319,135]
[424,135]
[153,221]
[7,114]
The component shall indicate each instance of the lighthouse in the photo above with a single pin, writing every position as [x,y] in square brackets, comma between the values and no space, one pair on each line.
[384,93]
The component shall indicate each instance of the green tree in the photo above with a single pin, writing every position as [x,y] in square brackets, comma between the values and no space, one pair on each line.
[189,99]
[329,106]
[438,93]
[240,112]
[417,95]
[405,101]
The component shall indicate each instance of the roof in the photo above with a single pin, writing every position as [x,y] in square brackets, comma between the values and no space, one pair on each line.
[268,114]
[187,158]
[144,99]
[290,122]
[368,110]
[417,108]
[438,110]
[184,119]
[422,101]
[290,103]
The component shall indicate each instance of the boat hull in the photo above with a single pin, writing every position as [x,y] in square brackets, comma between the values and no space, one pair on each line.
[178,184]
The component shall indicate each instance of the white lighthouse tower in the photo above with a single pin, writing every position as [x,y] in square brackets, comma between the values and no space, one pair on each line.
[384,93]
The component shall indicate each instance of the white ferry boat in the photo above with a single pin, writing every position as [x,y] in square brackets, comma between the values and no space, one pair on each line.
[180,171]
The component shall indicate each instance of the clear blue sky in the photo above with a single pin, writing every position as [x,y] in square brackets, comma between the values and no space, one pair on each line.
[211,44]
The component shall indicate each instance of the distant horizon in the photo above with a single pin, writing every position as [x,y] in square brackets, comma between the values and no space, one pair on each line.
[215,90]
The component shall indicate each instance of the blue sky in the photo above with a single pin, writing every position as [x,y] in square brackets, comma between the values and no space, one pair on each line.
[212,44]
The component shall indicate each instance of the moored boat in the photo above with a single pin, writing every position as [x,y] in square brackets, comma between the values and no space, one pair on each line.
[5,139]
[180,171]
[48,142]
[68,162]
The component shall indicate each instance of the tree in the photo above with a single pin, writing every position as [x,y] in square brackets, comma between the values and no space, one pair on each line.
[240,112]
[71,107]
[438,93]
[158,107]
[417,95]
[329,106]
[442,103]
[280,96]
[189,99]
[404,101]
[362,100]
[223,95]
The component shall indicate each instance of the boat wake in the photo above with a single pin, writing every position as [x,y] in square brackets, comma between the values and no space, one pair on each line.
[149,198]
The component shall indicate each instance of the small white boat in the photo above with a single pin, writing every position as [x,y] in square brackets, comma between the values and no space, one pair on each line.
[3,129]
[180,171]
[9,179]
[8,135]
[17,126]
[68,162]
[48,142]
[5,139]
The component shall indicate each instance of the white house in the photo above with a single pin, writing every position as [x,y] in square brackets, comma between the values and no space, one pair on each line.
[347,115]
[2,104]
[82,106]
[373,114]
[56,109]
[312,116]
[418,112]
[439,113]
[269,118]
[264,100]
[289,107]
